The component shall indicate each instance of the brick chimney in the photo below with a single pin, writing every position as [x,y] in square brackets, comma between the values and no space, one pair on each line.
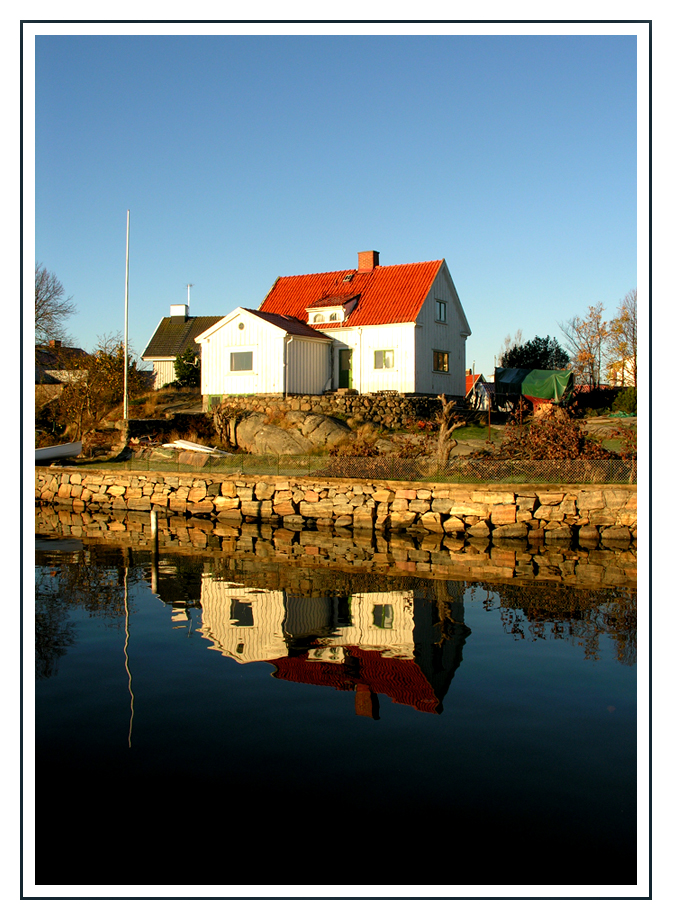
[368,261]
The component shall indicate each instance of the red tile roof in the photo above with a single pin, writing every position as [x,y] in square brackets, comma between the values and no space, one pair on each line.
[470,381]
[334,300]
[387,294]
[402,680]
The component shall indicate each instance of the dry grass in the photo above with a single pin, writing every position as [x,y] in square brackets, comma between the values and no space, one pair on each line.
[278,417]
[363,445]
[191,434]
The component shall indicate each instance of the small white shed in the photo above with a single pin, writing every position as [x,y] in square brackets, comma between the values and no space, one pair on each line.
[247,352]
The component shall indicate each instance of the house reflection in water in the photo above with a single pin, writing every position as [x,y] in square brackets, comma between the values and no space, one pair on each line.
[401,643]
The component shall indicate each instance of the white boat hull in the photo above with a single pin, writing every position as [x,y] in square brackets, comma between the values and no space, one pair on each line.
[57,452]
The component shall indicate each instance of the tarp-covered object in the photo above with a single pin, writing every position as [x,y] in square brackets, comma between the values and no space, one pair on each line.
[554,386]
[508,381]
[548,385]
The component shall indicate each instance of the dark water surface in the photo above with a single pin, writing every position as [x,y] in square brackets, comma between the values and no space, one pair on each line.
[382,732]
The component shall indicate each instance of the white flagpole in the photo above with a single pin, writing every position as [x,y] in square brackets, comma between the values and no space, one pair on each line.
[126,323]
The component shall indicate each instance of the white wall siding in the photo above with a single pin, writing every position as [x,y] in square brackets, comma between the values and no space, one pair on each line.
[250,625]
[365,342]
[164,373]
[432,335]
[308,365]
[266,375]
[308,369]
[258,639]
[380,620]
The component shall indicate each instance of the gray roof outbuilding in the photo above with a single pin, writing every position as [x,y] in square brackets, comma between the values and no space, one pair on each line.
[174,335]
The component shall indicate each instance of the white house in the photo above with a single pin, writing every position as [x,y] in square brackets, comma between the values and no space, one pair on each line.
[256,625]
[399,327]
[622,373]
[251,352]
[244,624]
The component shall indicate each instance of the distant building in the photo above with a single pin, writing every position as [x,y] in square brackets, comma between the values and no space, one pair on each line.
[621,373]
[172,337]
[479,393]
[56,363]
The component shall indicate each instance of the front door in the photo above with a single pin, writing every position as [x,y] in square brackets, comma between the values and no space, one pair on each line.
[345,369]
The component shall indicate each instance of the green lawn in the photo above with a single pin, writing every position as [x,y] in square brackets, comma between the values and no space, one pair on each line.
[478,433]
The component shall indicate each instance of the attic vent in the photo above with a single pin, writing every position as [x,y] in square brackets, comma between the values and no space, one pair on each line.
[349,277]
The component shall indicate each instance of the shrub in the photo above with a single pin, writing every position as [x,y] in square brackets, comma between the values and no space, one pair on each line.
[278,417]
[187,370]
[628,440]
[626,401]
[363,445]
[556,436]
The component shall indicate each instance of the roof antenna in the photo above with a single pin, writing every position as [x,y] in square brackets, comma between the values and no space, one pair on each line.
[188,287]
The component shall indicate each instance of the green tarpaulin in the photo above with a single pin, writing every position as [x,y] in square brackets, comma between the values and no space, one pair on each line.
[540,385]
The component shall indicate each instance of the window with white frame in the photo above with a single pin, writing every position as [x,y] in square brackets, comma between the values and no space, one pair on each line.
[334,316]
[383,616]
[384,358]
[240,361]
[440,311]
[440,362]
[241,613]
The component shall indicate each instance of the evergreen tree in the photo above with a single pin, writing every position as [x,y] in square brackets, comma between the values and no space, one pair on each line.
[536,355]
[187,370]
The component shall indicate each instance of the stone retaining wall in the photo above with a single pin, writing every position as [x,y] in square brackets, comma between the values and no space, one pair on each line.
[564,512]
[390,409]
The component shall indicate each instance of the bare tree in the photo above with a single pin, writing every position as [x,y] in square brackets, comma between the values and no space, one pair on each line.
[52,307]
[450,422]
[623,340]
[510,344]
[587,339]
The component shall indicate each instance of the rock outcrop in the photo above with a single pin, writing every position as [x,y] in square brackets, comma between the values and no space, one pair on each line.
[300,433]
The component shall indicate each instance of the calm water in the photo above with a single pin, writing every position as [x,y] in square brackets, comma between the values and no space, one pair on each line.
[195,730]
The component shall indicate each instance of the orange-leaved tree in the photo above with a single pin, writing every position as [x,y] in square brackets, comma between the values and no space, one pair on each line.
[587,339]
[99,386]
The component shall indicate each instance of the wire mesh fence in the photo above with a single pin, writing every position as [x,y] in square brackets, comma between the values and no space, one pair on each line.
[455,470]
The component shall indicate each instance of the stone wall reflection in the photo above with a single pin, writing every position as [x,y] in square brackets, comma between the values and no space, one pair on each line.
[428,556]
[371,617]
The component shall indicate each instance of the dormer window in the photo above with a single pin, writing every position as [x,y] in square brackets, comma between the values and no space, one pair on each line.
[334,316]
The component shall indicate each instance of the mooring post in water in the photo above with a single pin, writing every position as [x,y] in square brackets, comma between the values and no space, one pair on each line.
[154,525]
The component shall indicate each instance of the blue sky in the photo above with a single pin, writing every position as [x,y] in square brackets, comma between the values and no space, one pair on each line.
[242,158]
